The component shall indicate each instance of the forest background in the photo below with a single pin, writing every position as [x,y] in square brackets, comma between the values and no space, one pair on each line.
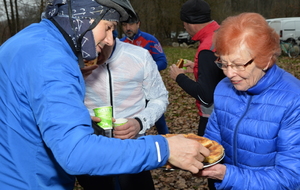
[158,17]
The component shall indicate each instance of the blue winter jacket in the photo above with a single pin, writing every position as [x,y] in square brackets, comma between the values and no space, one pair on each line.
[45,131]
[260,131]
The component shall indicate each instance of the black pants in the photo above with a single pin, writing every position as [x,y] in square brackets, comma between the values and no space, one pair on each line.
[211,183]
[202,125]
[138,181]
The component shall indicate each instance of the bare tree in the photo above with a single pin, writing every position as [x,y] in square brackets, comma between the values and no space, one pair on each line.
[7,13]
[12,16]
[158,17]
[17,16]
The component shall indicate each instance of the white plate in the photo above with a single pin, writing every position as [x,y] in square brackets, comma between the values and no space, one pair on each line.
[206,165]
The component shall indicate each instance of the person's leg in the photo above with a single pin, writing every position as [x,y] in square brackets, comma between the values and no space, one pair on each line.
[140,181]
[96,182]
[202,125]
[211,184]
[201,129]
[161,126]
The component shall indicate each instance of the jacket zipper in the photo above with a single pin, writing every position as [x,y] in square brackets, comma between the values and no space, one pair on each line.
[110,89]
[235,134]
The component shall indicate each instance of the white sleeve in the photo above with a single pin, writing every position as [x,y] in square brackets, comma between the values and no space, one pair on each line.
[155,93]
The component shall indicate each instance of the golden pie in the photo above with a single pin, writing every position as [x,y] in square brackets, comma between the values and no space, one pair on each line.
[216,150]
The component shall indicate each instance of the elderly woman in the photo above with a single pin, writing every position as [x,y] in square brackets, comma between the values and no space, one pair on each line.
[257,110]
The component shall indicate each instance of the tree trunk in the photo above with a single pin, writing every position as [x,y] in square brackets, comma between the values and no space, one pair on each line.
[13,19]
[7,16]
[17,17]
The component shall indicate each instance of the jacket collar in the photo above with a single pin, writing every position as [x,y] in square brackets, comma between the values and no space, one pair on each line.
[136,36]
[272,76]
[115,52]
[206,31]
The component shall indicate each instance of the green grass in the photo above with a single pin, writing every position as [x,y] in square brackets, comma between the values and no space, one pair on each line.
[173,54]
[291,65]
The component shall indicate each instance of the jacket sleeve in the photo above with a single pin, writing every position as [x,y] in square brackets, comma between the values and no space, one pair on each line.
[158,54]
[64,123]
[161,61]
[209,75]
[156,94]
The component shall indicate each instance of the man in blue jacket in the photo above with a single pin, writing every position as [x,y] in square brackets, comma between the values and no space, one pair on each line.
[139,38]
[45,129]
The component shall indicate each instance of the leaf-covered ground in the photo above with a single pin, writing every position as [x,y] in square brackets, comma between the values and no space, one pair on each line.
[182,117]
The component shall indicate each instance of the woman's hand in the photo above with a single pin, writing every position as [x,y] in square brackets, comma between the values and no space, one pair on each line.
[214,172]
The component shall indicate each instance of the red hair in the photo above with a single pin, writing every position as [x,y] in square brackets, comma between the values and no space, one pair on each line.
[252,31]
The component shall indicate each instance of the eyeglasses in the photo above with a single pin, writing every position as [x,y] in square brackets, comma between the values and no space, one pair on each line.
[235,67]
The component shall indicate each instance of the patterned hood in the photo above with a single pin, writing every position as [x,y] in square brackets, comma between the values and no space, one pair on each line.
[77,18]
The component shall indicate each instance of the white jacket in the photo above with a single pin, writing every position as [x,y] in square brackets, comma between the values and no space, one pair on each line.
[125,81]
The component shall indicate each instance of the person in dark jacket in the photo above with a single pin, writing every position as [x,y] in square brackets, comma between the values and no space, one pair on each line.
[197,21]
[256,115]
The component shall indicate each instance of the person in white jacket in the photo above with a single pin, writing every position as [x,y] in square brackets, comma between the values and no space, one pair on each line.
[125,80]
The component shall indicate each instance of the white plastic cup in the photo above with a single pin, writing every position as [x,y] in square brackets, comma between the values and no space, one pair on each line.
[120,121]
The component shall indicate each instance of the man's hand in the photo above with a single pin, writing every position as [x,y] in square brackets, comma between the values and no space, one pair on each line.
[98,119]
[95,119]
[189,66]
[127,131]
[214,172]
[87,70]
[175,71]
[186,154]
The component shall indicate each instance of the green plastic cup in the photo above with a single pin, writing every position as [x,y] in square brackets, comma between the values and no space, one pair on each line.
[105,114]
[120,122]
[184,61]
